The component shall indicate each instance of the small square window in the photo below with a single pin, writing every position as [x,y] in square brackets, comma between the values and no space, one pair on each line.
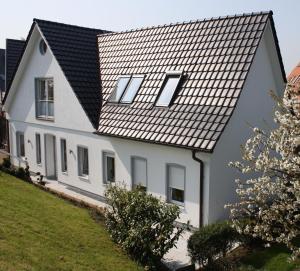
[169,87]
[109,167]
[119,89]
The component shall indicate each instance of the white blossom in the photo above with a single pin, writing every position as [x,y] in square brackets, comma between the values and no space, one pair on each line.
[270,203]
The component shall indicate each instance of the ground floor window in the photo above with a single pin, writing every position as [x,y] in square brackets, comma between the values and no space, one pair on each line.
[20,144]
[38,148]
[139,172]
[63,155]
[109,167]
[176,183]
[83,161]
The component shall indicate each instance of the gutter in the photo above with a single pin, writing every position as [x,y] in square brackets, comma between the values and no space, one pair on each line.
[201,187]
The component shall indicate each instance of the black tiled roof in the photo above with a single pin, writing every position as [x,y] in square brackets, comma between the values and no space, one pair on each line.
[75,49]
[14,50]
[215,56]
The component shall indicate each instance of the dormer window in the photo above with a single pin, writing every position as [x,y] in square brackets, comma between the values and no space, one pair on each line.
[168,89]
[126,89]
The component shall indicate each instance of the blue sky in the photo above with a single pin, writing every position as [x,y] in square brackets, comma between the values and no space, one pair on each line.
[16,16]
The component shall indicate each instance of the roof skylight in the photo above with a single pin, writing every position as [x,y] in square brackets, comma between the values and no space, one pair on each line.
[126,88]
[169,87]
[132,89]
[119,90]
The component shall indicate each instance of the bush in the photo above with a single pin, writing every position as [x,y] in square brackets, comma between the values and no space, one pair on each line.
[210,242]
[21,173]
[141,224]
[6,163]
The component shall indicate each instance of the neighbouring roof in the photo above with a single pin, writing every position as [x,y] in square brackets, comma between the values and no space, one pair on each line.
[75,49]
[2,70]
[215,55]
[294,76]
[14,50]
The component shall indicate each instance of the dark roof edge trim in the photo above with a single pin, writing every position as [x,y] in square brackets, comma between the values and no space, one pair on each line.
[153,142]
[277,46]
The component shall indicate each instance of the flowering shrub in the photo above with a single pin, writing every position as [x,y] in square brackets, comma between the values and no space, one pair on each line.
[271,200]
[141,223]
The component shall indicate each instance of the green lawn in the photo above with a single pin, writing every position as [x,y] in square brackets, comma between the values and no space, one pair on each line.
[274,258]
[39,231]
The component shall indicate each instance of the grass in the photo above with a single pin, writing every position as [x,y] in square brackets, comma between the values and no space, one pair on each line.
[39,231]
[275,258]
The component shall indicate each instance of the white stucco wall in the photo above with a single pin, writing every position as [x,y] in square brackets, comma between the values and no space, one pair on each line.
[72,124]
[255,107]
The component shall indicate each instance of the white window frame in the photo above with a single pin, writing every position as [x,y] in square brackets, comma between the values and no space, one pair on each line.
[169,189]
[38,100]
[106,154]
[80,160]
[63,157]
[128,87]
[116,87]
[133,170]
[38,148]
[18,141]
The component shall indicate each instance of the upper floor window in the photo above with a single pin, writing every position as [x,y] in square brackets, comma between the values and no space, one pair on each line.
[126,88]
[45,98]
[43,47]
[169,87]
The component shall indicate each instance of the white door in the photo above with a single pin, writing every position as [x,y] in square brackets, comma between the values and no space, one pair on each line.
[50,157]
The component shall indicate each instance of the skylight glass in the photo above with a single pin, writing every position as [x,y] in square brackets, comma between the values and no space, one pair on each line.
[118,91]
[132,89]
[169,87]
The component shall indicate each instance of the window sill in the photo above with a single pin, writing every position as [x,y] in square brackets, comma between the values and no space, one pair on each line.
[39,164]
[84,179]
[45,119]
[64,173]
[108,183]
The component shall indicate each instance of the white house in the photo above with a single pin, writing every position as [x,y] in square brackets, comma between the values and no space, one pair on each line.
[168,108]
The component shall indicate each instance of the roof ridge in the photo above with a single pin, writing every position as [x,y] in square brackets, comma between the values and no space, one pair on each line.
[71,25]
[270,13]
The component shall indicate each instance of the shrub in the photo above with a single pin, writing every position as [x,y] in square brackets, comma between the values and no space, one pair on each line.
[6,163]
[21,173]
[210,242]
[141,223]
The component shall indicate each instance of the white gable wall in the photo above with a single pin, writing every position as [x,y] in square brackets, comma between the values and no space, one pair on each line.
[68,113]
[255,107]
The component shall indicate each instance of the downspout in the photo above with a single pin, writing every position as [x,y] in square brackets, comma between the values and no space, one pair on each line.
[201,187]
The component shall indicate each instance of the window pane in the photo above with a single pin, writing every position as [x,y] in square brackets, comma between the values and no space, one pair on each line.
[118,91]
[63,147]
[83,161]
[177,195]
[85,169]
[50,89]
[22,144]
[132,89]
[38,148]
[42,108]
[168,91]
[110,168]
[42,90]
[50,109]
[139,168]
